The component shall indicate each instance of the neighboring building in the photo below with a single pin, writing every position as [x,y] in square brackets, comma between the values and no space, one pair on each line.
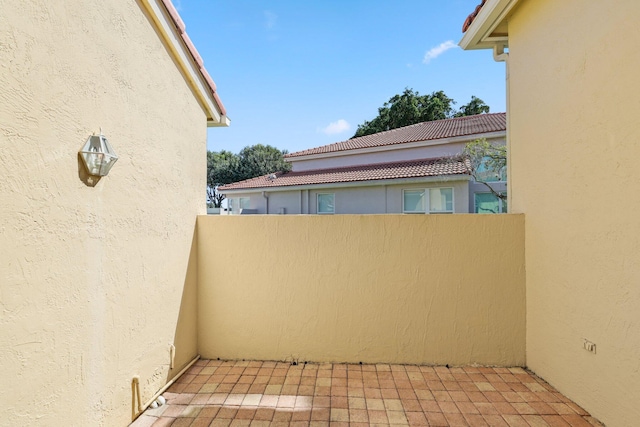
[404,170]
[97,274]
[573,106]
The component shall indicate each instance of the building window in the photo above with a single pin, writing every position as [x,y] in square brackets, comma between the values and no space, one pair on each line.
[489,203]
[431,200]
[488,175]
[326,203]
[413,201]
[244,203]
[441,200]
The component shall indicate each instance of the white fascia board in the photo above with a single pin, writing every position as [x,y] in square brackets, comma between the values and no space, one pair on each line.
[181,54]
[478,35]
[224,122]
[353,184]
[399,146]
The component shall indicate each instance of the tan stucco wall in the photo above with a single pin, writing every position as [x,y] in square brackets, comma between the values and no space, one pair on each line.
[370,288]
[574,161]
[94,281]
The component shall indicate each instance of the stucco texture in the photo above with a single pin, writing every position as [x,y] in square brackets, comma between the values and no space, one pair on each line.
[574,133]
[94,280]
[430,289]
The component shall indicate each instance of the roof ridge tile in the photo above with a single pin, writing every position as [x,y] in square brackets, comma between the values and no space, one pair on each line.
[424,131]
[414,168]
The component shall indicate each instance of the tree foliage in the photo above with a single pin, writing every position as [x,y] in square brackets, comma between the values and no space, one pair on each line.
[225,167]
[259,159]
[410,107]
[475,106]
[485,162]
[222,167]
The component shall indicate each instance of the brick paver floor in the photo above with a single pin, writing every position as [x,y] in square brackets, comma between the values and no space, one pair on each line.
[243,393]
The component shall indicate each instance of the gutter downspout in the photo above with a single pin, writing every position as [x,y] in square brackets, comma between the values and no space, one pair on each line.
[499,55]
[264,194]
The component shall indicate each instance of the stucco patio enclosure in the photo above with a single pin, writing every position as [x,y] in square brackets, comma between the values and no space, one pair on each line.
[431,289]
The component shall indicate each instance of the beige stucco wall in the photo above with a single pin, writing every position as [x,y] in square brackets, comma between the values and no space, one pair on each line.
[95,282]
[370,288]
[574,161]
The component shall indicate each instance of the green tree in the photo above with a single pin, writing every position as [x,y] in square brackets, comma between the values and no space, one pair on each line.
[259,159]
[410,107]
[475,106]
[406,109]
[225,167]
[485,162]
[222,168]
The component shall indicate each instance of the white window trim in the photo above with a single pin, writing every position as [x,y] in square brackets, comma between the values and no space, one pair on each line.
[427,196]
[453,201]
[475,203]
[425,204]
[318,203]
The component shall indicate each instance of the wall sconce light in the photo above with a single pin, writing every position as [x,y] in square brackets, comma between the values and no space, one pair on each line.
[98,155]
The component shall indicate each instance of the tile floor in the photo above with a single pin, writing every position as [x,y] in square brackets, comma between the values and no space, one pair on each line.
[243,393]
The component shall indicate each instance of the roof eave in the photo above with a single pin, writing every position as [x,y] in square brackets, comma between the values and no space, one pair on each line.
[397,146]
[363,183]
[479,35]
[171,29]
[223,122]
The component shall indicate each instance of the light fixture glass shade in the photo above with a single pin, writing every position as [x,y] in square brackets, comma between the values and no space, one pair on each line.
[98,155]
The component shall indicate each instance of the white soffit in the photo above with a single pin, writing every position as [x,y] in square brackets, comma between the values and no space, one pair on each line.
[491,15]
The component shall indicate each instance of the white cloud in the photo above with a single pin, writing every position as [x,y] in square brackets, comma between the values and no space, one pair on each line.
[434,52]
[270,19]
[336,127]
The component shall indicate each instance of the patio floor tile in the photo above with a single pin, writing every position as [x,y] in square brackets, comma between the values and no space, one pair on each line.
[260,394]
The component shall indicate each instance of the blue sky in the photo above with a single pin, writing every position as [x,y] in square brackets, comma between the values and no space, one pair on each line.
[301,74]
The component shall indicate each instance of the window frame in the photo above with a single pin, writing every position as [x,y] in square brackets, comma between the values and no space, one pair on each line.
[501,180]
[502,207]
[427,201]
[453,202]
[424,202]
[333,196]
[247,200]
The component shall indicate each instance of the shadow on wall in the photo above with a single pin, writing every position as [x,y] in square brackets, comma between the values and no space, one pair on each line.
[184,346]
[84,176]
[185,338]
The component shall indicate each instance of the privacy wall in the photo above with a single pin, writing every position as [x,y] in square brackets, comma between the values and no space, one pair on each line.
[94,275]
[430,289]
[573,72]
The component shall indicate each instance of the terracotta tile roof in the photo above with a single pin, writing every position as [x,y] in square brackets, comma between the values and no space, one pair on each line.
[472,16]
[425,131]
[181,27]
[373,172]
